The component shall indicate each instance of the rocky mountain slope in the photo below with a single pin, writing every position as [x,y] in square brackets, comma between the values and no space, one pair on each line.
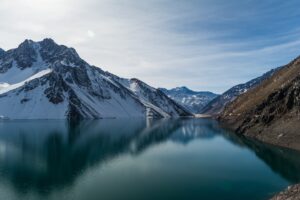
[192,100]
[217,105]
[44,80]
[2,52]
[270,111]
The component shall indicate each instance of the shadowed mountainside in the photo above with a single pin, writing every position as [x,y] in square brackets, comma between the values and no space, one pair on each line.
[270,111]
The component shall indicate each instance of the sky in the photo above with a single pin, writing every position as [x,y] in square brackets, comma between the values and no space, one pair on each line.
[206,45]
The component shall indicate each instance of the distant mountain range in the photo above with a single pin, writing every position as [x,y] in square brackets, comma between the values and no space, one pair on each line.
[210,103]
[44,80]
[194,101]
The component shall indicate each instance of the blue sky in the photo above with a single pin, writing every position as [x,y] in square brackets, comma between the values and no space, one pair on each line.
[204,45]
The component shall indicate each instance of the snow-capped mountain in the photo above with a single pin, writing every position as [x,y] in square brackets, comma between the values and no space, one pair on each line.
[217,105]
[192,100]
[44,80]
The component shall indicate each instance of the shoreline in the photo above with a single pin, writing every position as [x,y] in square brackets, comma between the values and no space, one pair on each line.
[290,193]
[202,116]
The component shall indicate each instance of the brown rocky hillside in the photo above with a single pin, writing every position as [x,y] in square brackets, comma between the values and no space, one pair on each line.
[271,111]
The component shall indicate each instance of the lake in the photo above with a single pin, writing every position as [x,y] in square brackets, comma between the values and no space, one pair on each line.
[138,159]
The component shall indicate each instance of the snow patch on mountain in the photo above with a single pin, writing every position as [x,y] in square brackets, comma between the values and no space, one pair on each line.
[192,100]
[158,103]
[30,104]
[43,80]
[5,87]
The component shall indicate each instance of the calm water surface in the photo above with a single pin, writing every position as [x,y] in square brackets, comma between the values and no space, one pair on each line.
[138,159]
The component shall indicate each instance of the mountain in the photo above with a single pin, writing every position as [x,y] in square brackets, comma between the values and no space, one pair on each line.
[44,80]
[270,111]
[217,105]
[2,52]
[151,97]
[192,100]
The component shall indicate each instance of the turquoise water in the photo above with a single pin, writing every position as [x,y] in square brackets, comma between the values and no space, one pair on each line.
[138,159]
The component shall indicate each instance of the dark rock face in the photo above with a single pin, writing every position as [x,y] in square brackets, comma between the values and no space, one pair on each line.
[285,101]
[5,67]
[24,100]
[25,54]
[75,108]
[51,52]
[32,85]
[56,89]
[2,52]
[6,62]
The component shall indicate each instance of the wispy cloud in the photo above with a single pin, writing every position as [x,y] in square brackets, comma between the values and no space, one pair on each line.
[205,45]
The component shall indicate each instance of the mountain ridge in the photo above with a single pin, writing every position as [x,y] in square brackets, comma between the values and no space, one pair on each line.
[71,88]
[269,112]
[217,105]
[194,101]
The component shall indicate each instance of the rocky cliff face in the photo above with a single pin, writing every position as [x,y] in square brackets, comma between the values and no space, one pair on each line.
[2,52]
[271,111]
[43,80]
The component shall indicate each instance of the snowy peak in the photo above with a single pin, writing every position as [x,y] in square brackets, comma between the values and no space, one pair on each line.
[51,52]
[29,52]
[194,101]
[31,57]
[26,54]
[157,103]
[44,80]
[19,64]
[141,87]
[158,99]
[184,90]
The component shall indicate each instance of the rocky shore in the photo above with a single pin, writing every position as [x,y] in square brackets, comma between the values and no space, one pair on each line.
[270,113]
[291,193]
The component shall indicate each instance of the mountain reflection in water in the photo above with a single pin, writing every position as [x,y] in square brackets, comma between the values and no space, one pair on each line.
[44,156]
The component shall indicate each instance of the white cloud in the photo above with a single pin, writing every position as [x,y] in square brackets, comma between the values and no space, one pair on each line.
[90,33]
[165,43]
